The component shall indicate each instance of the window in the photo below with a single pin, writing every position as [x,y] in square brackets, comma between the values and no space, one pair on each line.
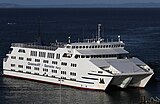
[77,56]
[45,61]
[100,72]
[58,56]
[67,55]
[20,58]
[54,62]
[36,68]
[28,72]
[73,65]
[73,47]
[20,66]
[63,77]
[50,55]
[13,65]
[63,72]
[54,71]
[37,60]
[29,59]
[46,70]
[28,67]
[42,54]
[72,73]
[21,51]
[33,53]
[36,73]
[13,57]
[82,56]
[72,79]
[64,63]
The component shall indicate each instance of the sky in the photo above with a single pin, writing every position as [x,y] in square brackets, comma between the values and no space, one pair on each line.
[63,2]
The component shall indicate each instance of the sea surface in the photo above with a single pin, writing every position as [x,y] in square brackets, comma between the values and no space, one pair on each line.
[138,28]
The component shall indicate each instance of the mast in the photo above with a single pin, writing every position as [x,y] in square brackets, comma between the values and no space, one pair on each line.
[99,33]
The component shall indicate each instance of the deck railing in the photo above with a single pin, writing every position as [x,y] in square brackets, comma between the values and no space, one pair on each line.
[32,45]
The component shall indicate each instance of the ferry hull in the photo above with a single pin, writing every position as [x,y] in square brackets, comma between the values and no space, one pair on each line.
[57,81]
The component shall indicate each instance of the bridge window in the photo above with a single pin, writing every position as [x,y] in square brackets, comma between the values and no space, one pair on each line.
[21,51]
[58,56]
[42,54]
[67,55]
[50,55]
[33,53]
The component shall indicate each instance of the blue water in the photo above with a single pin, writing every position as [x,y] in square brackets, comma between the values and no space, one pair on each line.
[139,29]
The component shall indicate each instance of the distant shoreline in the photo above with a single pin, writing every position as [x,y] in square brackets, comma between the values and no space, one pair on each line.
[127,5]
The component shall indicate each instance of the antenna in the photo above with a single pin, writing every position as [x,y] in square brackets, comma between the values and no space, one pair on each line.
[69,41]
[99,32]
[119,38]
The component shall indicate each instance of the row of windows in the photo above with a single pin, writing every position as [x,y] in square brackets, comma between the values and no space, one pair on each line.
[46,70]
[43,54]
[46,61]
[36,60]
[97,46]
[95,56]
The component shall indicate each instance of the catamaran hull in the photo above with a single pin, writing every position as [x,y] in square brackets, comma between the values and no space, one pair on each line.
[134,80]
[65,82]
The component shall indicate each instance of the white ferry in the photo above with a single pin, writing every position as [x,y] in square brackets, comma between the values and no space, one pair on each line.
[93,64]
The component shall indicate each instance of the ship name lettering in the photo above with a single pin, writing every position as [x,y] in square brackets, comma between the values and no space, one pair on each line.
[35,64]
[49,66]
